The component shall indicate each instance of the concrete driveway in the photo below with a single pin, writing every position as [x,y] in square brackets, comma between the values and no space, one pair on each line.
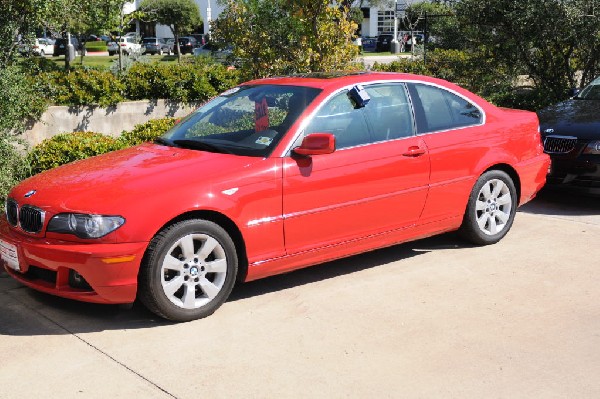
[431,318]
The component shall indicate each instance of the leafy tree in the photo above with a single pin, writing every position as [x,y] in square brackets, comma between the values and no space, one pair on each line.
[272,37]
[179,15]
[550,40]
[81,17]
[18,19]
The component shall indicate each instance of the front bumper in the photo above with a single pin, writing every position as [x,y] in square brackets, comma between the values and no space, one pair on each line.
[581,174]
[109,271]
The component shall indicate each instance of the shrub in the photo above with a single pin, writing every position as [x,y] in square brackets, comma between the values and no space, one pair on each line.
[21,99]
[13,167]
[197,81]
[146,132]
[82,87]
[68,147]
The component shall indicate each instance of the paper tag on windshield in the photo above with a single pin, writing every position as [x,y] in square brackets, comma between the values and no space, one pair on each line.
[264,140]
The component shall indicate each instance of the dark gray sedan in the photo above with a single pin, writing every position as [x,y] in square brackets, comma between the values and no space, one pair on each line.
[155,45]
[571,134]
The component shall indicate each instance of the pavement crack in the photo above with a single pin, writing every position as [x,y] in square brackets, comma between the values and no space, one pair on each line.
[103,353]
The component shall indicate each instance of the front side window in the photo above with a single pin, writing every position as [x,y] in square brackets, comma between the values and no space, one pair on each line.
[339,117]
[247,120]
[438,109]
[389,112]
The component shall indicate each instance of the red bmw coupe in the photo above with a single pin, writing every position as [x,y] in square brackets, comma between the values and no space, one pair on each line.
[271,176]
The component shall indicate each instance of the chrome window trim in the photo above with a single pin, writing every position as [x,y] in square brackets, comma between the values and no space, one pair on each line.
[300,130]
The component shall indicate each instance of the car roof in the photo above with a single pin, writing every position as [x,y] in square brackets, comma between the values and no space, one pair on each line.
[330,82]
[339,79]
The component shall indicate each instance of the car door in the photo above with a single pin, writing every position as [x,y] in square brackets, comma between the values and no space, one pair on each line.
[376,181]
[455,134]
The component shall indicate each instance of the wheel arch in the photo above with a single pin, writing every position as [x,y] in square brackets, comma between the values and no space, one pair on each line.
[228,225]
[512,173]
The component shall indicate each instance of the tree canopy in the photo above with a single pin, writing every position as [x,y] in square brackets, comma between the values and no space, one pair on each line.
[182,16]
[271,37]
[549,40]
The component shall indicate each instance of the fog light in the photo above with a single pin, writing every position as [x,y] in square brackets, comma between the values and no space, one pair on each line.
[76,280]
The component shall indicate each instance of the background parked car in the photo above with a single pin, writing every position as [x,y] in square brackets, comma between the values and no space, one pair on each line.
[154,45]
[41,46]
[60,45]
[187,44]
[571,134]
[222,55]
[384,42]
[128,44]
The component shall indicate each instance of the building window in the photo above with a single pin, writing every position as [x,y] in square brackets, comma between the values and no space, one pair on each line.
[385,21]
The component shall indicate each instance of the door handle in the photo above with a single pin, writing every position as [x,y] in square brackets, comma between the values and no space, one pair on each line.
[414,151]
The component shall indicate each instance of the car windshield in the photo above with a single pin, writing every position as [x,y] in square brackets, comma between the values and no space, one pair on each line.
[149,41]
[591,91]
[246,120]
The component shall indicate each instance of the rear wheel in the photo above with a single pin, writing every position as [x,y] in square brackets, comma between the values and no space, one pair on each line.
[491,209]
[189,270]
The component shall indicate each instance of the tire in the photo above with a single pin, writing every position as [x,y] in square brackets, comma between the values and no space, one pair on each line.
[175,281]
[160,52]
[491,209]
[111,54]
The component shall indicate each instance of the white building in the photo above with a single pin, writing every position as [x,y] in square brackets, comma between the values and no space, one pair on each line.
[379,20]
[375,20]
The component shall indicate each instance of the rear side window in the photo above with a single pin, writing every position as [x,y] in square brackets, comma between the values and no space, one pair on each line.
[438,109]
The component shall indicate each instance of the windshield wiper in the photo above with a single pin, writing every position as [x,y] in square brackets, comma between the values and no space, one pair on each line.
[200,145]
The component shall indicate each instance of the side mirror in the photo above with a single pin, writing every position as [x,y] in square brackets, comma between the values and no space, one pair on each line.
[316,144]
[573,92]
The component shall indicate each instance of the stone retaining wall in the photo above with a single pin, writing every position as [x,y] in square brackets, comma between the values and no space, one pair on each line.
[111,121]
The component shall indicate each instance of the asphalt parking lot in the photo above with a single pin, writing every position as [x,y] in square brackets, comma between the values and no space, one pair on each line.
[431,318]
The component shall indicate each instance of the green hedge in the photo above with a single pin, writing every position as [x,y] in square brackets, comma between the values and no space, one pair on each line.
[82,87]
[68,147]
[194,81]
[97,45]
[146,132]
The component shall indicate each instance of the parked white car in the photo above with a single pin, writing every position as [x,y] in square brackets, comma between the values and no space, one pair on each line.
[128,44]
[41,46]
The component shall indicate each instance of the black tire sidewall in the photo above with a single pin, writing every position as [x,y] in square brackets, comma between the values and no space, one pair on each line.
[470,229]
[151,291]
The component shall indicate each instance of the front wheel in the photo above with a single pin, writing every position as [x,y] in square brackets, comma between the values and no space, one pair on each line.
[491,208]
[188,271]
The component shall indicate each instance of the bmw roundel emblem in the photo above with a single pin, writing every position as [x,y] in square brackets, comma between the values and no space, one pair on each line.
[30,193]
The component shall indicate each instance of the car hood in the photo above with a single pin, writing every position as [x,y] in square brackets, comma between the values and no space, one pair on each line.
[111,182]
[579,118]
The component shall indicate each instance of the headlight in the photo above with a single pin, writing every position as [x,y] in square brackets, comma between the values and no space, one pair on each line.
[85,226]
[592,148]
